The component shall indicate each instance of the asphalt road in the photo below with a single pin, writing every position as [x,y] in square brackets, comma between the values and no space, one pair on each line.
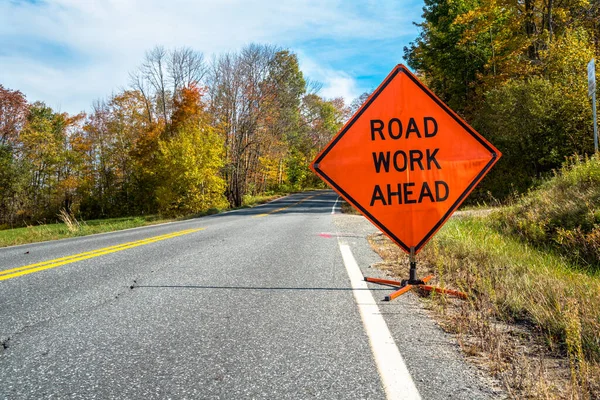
[254,303]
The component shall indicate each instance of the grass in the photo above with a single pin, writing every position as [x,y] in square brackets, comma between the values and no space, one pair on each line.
[251,201]
[41,233]
[347,208]
[563,213]
[533,316]
[72,227]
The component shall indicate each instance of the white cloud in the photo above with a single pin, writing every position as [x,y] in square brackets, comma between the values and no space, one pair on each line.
[107,39]
[340,85]
[334,83]
[72,91]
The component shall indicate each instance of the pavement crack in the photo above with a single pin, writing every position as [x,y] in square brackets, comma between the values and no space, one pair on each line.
[4,342]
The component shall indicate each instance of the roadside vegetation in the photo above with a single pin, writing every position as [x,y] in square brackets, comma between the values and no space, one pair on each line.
[562,214]
[186,136]
[70,226]
[533,280]
[516,71]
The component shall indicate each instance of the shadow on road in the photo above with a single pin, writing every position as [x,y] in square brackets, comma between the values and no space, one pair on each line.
[250,288]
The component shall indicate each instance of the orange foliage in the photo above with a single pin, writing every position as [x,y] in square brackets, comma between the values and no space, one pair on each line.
[188,106]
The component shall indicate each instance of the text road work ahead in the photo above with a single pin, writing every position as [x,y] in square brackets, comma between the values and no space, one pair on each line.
[402,160]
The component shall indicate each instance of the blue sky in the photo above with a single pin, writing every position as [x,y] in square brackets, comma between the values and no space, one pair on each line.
[69,53]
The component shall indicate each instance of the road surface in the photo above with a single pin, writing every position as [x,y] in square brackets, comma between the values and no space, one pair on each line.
[261,303]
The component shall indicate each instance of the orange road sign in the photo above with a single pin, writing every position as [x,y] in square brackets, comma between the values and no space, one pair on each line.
[405,160]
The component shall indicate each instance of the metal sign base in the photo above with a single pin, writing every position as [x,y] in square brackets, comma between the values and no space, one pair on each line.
[405,285]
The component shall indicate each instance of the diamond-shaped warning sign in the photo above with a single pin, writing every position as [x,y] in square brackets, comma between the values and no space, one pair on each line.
[405,160]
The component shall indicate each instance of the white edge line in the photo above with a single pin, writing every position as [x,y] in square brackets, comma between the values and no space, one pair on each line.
[334,204]
[396,380]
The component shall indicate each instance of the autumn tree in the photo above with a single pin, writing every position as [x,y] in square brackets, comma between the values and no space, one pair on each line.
[47,163]
[357,103]
[123,144]
[191,160]
[321,119]
[13,114]
[282,122]
[517,72]
[239,98]
[161,77]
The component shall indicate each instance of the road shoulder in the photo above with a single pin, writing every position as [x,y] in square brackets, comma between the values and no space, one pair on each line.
[433,357]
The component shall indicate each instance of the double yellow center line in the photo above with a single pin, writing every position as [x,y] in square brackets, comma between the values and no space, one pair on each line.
[285,208]
[57,262]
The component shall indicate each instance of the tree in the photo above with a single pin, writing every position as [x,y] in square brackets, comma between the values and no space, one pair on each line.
[43,140]
[449,68]
[357,103]
[13,115]
[191,160]
[123,147]
[282,123]
[321,119]
[12,185]
[161,77]
[239,97]
[538,122]
[516,70]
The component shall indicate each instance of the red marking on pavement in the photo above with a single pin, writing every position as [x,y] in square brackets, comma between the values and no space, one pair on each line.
[329,235]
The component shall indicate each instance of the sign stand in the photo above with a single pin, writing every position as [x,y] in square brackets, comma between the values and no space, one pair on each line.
[407,284]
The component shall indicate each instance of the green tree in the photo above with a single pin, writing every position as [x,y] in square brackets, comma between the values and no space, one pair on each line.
[449,66]
[13,116]
[43,154]
[517,72]
[190,162]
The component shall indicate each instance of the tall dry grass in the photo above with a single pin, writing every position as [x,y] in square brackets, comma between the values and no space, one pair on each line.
[532,319]
[515,283]
[70,221]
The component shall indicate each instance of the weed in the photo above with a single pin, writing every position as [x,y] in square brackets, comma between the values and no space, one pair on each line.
[533,319]
[69,220]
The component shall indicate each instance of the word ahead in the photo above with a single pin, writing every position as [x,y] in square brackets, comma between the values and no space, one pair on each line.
[405,160]
[405,194]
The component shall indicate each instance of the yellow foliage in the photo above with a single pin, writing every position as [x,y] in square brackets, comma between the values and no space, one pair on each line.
[273,169]
[190,165]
